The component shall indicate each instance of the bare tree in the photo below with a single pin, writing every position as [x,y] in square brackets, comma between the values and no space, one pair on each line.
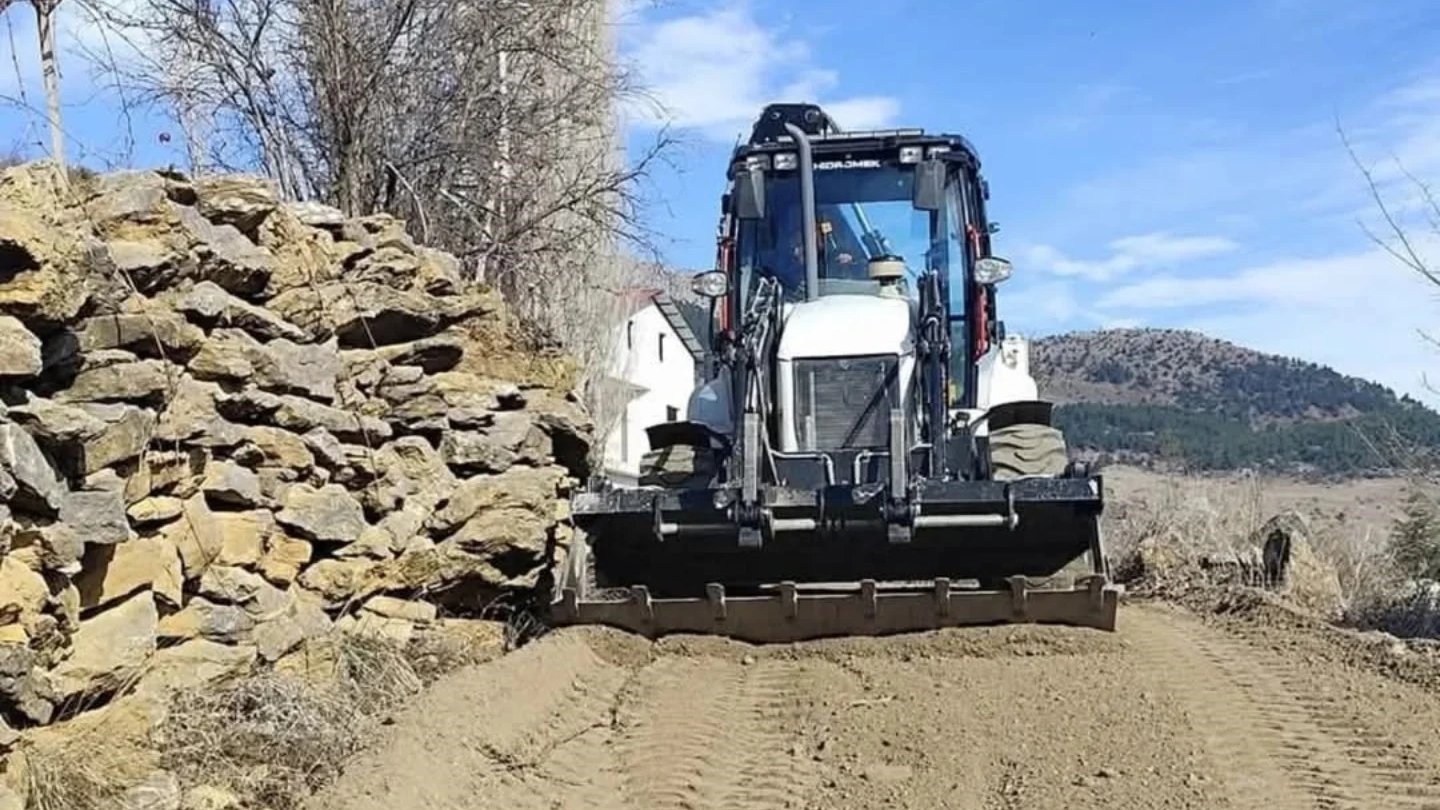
[1403,241]
[45,22]
[1401,244]
[489,126]
[50,71]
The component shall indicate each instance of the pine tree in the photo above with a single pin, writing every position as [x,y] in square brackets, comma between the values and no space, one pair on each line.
[1415,539]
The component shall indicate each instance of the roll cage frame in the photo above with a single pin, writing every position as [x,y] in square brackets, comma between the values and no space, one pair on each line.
[747,318]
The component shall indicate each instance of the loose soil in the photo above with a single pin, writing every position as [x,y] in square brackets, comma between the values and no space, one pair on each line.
[1177,709]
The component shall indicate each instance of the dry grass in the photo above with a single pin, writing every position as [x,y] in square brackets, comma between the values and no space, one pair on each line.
[271,739]
[1169,534]
[1190,524]
[274,738]
[1361,558]
[91,774]
[90,763]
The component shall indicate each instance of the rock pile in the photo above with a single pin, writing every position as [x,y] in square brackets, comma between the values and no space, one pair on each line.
[230,424]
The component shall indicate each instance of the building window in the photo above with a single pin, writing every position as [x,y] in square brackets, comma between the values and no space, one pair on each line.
[662,348]
[625,435]
[672,413]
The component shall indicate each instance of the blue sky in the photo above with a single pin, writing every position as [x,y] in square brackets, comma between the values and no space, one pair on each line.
[1154,164]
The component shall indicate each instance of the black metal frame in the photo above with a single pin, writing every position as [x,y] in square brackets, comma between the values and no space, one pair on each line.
[676,542]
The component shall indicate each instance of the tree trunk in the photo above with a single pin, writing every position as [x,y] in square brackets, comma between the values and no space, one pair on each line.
[45,18]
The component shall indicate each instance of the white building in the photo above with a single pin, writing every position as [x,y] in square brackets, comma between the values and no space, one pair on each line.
[658,362]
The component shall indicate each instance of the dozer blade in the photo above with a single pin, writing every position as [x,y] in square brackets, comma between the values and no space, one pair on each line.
[655,562]
[868,610]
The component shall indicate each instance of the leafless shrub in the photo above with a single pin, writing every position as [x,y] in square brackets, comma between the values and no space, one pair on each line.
[1389,581]
[1177,538]
[274,738]
[1411,610]
[1361,560]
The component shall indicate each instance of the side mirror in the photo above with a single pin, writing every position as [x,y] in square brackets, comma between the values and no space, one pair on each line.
[713,284]
[929,193]
[750,194]
[992,270]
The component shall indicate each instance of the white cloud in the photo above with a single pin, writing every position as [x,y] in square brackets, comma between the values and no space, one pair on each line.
[1129,253]
[864,112]
[1361,312]
[1321,291]
[713,72]
[1120,323]
[1299,281]
[1043,305]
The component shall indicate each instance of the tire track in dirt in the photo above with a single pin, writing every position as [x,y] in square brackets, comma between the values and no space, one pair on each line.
[1279,743]
[529,731]
[552,748]
[1174,711]
[708,733]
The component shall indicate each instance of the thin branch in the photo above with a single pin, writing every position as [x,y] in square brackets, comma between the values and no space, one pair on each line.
[1406,254]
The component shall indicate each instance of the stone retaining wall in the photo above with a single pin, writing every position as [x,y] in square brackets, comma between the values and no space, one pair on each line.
[231,424]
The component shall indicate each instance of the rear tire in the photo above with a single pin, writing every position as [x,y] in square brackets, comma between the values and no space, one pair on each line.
[1027,450]
[1030,450]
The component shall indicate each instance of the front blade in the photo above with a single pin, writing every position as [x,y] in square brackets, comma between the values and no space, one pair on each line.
[671,561]
[790,614]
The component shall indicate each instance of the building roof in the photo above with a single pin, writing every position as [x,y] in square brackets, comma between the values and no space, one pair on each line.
[637,299]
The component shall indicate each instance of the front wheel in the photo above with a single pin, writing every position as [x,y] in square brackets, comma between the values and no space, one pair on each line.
[1027,450]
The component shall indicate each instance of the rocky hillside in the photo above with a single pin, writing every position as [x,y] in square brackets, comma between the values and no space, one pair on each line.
[231,426]
[1154,394]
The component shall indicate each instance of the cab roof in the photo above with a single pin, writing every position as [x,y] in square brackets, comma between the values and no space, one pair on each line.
[769,136]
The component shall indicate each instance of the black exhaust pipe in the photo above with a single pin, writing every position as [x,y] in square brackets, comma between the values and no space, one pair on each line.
[807,203]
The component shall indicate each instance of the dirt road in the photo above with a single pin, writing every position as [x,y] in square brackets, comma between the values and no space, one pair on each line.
[1172,711]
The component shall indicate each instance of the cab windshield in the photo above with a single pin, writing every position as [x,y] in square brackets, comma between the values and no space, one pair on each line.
[861,213]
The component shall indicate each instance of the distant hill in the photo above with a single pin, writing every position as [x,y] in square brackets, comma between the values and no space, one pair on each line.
[1181,398]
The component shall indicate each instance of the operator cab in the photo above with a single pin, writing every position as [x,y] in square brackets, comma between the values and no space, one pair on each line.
[856,276]
[881,197]
[862,215]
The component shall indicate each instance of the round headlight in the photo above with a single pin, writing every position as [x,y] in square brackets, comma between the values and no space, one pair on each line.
[711,285]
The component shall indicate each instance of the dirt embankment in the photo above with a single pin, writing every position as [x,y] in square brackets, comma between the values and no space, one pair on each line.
[1172,711]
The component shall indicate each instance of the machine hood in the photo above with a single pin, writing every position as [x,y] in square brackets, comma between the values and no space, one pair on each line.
[846,326]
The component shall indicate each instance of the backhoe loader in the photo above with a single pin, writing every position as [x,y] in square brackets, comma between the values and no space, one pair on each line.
[868,453]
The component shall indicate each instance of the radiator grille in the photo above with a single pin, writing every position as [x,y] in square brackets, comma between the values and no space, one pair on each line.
[844,402]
